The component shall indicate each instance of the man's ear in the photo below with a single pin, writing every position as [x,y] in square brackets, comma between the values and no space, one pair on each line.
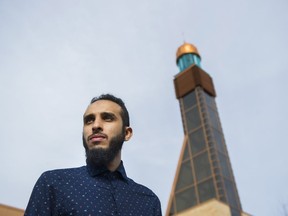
[128,133]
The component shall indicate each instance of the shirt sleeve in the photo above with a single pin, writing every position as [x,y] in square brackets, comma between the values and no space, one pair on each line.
[157,211]
[42,200]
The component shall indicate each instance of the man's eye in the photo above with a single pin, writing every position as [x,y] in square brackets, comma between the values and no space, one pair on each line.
[89,120]
[108,117]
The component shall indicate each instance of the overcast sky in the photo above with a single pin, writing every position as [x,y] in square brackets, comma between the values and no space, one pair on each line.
[56,55]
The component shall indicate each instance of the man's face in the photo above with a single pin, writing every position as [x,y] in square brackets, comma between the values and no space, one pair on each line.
[103,131]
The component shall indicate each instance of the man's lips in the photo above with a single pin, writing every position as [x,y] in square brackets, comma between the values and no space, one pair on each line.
[97,137]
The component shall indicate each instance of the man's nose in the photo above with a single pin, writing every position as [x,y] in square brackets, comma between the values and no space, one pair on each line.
[97,125]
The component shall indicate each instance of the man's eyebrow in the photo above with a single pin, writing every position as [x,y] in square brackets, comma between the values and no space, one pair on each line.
[108,114]
[85,116]
[102,114]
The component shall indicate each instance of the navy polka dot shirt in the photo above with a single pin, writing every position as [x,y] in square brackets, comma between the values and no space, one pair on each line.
[89,191]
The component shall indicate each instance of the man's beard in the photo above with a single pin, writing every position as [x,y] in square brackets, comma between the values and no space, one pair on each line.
[103,156]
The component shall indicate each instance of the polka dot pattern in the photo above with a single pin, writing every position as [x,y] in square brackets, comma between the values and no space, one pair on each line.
[87,191]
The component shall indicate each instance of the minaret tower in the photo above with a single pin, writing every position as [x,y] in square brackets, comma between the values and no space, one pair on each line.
[204,183]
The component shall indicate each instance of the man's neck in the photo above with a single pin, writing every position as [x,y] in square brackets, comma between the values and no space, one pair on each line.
[113,165]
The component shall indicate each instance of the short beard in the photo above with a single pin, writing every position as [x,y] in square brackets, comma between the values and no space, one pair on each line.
[102,157]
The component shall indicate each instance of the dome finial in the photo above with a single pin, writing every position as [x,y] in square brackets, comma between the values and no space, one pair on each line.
[183,35]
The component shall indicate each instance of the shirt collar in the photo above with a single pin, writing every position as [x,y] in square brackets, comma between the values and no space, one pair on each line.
[96,171]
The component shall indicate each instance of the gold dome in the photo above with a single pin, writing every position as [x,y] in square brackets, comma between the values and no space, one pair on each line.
[185,49]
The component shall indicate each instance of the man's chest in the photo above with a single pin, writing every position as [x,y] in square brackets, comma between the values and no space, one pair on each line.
[101,198]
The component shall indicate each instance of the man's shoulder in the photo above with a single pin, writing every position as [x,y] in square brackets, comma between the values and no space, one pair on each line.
[141,189]
[64,173]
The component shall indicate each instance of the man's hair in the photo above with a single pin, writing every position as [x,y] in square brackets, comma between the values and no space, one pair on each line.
[124,112]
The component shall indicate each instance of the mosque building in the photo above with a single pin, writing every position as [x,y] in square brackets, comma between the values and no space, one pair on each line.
[10,211]
[204,183]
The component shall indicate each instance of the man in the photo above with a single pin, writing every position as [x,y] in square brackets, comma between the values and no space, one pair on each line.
[101,187]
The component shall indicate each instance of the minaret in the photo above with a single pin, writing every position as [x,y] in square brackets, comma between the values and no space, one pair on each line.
[204,183]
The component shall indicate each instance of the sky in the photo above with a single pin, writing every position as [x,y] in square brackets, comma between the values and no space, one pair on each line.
[56,55]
